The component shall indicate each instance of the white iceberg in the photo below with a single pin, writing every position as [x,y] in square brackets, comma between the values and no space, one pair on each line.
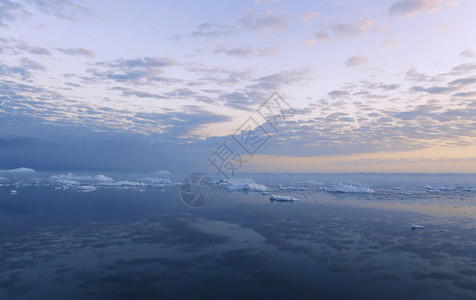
[416,226]
[283,198]
[21,170]
[242,185]
[349,188]
[13,192]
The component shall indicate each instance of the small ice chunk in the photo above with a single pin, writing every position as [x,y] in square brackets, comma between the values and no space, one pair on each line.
[416,226]
[283,198]
[13,192]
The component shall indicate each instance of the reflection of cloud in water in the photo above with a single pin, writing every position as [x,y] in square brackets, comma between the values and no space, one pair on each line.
[250,248]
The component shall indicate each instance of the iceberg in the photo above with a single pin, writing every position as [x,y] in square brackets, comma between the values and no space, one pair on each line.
[242,185]
[416,226]
[349,188]
[13,192]
[283,198]
[21,170]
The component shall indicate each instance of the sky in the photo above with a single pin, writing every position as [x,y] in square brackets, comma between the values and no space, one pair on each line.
[365,86]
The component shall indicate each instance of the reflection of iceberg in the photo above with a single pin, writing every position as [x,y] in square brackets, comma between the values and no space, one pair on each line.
[349,188]
[85,188]
[439,188]
[242,185]
[280,198]
[416,226]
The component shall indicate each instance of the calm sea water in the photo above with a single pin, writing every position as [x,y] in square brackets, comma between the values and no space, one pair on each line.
[131,244]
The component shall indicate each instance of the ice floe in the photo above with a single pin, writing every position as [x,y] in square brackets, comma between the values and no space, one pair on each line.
[236,184]
[439,188]
[13,192]
[349,188]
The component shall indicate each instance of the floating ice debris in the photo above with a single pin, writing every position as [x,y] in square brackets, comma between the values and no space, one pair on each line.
[466,189]
[21,170]
[156,181]
[439,188]
[13,192]
[283,198]
[126,184]
[292,188]
[349,188]
[416,226]
[242,185]
[85,178]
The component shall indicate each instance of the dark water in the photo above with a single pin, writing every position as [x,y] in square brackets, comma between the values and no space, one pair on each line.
[125,244]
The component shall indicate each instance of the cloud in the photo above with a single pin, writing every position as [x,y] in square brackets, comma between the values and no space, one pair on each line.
[463,81]
[390,42]
[320,36]
[254,21]
[413,75]
[356,61]
[467,53]
[277,80]
[8,10]
[337,94]
[62,9]
[136,71]
[350,30]
[22,70]
[434,89]
[306,17]
[211,29]
[408,8]
[251,22]
[76,52]
[245,52]
[341,30]
[15,46]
